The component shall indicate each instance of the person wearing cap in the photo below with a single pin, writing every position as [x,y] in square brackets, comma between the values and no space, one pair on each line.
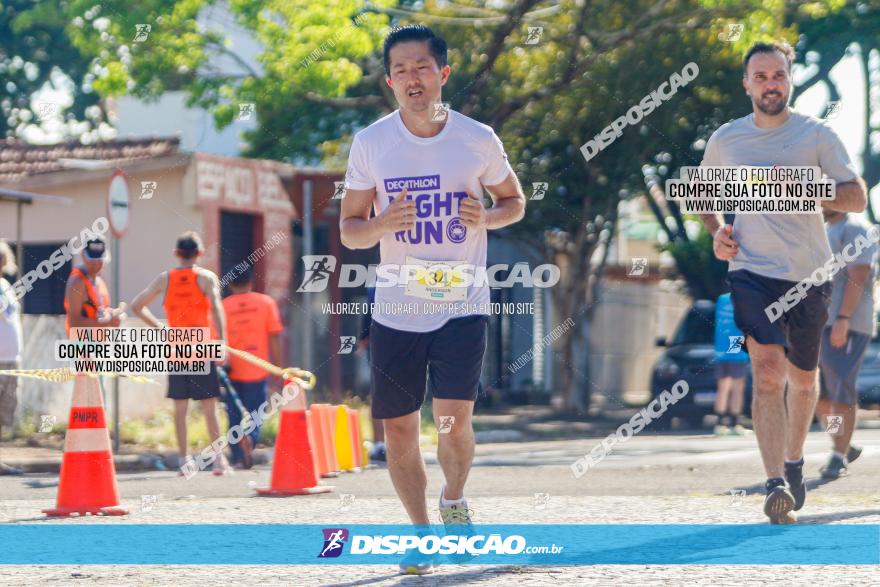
[10,346]
[254,325]
[191,297]
[86,297]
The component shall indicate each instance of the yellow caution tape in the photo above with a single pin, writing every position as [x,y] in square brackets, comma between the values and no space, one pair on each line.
[306,379]
[64,374]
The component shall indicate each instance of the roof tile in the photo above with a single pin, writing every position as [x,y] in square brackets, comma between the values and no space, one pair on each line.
[19,159]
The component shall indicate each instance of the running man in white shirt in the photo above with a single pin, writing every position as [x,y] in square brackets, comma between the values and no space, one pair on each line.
[422,170]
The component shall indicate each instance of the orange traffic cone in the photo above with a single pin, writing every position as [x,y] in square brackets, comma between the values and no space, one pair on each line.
[328,421]
[355,428]
[87,484]
[293,467]
[321,441]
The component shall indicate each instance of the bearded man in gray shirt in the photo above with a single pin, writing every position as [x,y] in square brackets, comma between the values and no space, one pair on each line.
[771,253]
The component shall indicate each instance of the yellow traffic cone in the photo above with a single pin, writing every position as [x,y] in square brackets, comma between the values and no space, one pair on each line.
[342,441]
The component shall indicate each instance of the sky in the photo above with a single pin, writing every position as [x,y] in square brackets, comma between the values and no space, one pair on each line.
[850,119]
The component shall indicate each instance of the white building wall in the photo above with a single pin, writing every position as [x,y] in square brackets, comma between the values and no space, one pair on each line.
[169,115]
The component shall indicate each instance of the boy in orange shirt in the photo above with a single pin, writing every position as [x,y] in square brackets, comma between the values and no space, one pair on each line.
[253,325]
[191,298]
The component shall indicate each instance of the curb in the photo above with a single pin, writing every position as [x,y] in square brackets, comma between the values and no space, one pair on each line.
[127,463]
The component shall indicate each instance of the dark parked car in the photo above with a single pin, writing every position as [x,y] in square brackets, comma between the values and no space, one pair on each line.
[690,355]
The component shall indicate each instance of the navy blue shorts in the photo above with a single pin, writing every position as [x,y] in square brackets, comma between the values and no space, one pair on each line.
[798,330]
[450,359]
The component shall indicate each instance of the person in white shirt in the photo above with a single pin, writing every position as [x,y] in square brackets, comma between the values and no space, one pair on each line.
[421,170]
[10,346]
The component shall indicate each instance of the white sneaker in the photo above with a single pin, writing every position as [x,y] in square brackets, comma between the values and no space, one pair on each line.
[181,461]
[457,519]
[455,515]
[221,466]
[721,430]
[416,568]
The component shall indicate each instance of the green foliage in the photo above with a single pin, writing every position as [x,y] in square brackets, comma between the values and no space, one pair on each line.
[318,78]
[157,432]
[34,51]
[829,32]
[704,274]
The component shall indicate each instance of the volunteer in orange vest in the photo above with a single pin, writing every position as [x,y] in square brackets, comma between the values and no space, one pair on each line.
[254,325]
[86,299]
[191,298]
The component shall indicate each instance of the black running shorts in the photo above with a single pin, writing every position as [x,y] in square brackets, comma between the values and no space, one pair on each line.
[798,330]
[197,387]
[450,359]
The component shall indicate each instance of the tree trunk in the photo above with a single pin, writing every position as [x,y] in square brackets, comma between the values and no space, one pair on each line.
[573,400]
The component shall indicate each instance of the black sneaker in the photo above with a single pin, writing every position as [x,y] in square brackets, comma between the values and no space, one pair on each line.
[835,468]
[853,453]
[779,502]
[378,453]
[794,474]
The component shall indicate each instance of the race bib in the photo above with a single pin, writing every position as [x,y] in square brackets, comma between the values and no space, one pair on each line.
[438,281]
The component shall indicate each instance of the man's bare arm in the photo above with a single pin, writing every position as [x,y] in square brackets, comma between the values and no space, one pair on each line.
[712,222]
[357,229]
[76,296]
[724,244]
[508,203]
[146,297]
[857,277]
[849,196]
[210,286]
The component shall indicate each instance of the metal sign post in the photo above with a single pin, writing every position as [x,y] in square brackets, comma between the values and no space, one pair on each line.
[307,250]
[118,214]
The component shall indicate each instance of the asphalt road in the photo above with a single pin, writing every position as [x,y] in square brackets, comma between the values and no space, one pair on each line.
[695,479]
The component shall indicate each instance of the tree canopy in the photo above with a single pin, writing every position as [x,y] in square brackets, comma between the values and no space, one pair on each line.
[546,75]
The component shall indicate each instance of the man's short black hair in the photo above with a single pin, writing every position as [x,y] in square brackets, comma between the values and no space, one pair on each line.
[414,32]
[242,277]
[189,244]
[780,46]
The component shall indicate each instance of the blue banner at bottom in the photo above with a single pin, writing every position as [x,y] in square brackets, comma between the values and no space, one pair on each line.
[277,544]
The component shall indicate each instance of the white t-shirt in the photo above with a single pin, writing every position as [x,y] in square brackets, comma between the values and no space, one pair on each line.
[437,171]
[10,325]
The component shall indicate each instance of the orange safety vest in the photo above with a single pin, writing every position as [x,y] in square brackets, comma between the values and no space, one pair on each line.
[186,306]
[98,299]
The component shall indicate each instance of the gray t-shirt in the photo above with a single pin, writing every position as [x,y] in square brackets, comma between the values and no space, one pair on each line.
[782,246]
[840,234]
